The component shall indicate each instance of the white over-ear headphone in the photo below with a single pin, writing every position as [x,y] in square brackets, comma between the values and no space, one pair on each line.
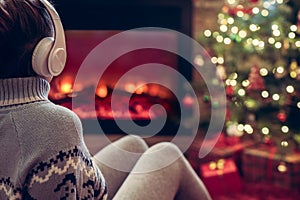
[49,56]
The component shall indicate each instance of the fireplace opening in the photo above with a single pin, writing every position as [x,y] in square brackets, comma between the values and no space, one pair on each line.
[136,95]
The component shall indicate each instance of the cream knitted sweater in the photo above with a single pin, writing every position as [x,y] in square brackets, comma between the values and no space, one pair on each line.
[43,155]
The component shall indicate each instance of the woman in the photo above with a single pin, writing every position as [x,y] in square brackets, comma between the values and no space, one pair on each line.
[43,154]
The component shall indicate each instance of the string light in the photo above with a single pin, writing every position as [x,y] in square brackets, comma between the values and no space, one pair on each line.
[255,42]
[241,92]
[261,44]
[275,27]
[263,72]
[278,45]
[207,33]
[265,94]
[255,10]
[266,4]
[273,2]
[230,20]
[227,41]
[276,33]
[293,28]
[285,129]
[284,143]
[231,1]
[246,83]
[223,28]
[271,40]
[276,97]
[280,70]
[240,14]
[290,89]
[233,82]
[234,75]
[220,60]
[280,1]
[265,130]
[221,16]
[235,29]
[240,127]
[220,38]
[253,27]
[243,34]
[214,60]
[265,13]
[292,35]
[248,128]
[282,168]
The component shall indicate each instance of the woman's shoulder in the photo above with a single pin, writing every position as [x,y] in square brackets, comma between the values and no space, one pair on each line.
[58,115]
[50,120]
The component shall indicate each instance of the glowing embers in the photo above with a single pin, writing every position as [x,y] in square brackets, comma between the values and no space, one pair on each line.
[134,101]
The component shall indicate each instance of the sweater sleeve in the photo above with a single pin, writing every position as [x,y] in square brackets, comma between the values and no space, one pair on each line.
[67,175]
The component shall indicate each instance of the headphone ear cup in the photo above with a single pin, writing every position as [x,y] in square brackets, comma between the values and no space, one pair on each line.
[40,56]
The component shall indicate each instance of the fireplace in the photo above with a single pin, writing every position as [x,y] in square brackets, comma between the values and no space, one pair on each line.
[92,22]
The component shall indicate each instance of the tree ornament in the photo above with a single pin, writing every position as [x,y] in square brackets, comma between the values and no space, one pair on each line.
[229,91]
[281,116]
[256,82]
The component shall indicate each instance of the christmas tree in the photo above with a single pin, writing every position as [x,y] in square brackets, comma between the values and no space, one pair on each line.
[257,53]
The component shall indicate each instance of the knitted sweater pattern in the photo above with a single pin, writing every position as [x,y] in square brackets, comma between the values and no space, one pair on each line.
[43,154]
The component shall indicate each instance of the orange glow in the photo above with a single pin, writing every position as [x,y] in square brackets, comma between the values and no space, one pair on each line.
[129,87]
[66,88]
[139,90]
[154,90]
[102,91]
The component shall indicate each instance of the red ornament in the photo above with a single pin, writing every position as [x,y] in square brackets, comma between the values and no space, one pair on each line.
[229,91]
[281,116]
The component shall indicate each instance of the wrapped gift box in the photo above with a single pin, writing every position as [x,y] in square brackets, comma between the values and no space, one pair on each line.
[225,147]
[266,164]
[221,176]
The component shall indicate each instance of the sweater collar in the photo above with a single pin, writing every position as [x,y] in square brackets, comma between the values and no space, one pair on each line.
[14,91]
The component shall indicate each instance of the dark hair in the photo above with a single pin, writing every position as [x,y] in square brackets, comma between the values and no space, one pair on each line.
[22,24]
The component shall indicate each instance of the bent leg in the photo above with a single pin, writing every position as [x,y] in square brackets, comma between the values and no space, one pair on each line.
[117,159]
[162,172]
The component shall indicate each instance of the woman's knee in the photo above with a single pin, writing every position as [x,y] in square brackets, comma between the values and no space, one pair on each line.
[161,156]
[132,143]
[165,148]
